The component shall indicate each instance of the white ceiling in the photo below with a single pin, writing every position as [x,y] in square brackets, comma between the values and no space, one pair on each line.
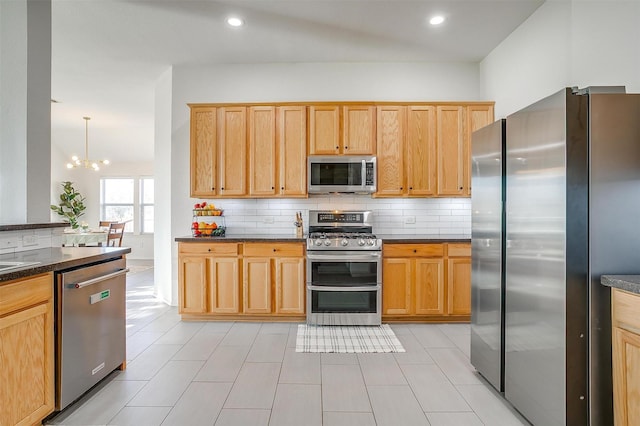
[107,54]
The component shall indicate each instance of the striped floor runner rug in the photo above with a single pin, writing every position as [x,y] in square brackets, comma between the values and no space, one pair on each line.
[347,339]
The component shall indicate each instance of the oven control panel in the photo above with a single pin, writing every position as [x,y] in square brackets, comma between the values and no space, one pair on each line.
[341,218]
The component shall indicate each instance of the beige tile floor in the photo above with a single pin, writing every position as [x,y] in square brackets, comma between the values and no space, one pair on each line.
[245,374]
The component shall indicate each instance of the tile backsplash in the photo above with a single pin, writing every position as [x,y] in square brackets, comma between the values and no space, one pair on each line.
[450,216]
[30,239]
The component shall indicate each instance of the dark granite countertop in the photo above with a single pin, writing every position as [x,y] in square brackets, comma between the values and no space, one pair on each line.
[57,259]
[21,226]
[237,238]
[386,238]
[630,283]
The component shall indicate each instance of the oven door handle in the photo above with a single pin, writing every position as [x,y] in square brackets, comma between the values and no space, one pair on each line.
[351,257]
[345,289]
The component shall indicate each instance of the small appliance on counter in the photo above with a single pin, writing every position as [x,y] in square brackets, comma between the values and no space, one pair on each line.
[344,269]
[208,221]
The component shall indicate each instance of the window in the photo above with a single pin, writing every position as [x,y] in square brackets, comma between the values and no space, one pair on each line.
[128,200]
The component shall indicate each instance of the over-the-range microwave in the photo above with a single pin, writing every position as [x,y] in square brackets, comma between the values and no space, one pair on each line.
[341,173]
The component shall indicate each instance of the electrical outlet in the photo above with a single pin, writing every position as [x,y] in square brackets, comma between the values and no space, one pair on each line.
[409,220]
[11,242]
[29,240]
[267,219]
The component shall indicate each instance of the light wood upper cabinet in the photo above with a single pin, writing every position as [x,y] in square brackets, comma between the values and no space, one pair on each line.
[262,150]
[477,116]
[342,130]
[390,154]
[324,130]
[292,146]
[420,151]
[406,151]
[451,144]
[203,151]
[232,140]
[26,350]
[359,130]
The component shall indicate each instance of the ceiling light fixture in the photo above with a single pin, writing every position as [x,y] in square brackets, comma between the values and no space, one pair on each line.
[86,163]
[234,21]
[436,20]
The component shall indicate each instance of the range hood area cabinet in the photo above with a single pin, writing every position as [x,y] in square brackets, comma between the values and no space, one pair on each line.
[248,151]
[342,130]
[260,151]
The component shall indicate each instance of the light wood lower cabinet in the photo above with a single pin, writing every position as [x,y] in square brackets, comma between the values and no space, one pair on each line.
[26,350]
[208,278]
[626,357]
[241,279]
[426,281]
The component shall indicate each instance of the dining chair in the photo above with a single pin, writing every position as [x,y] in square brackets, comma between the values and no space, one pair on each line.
[114,236]
[105,223]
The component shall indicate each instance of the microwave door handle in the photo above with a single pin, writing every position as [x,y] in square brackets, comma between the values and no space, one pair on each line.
[363,173]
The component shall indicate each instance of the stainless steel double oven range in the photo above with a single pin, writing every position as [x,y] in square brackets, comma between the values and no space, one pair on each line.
[344,269]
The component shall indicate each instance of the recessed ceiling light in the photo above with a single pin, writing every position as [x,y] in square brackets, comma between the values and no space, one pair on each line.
[235,22]
[436,20]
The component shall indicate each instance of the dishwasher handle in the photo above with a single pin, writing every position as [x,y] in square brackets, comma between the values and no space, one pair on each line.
[100,278]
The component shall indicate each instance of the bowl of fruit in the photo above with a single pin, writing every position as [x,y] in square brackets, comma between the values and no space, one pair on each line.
[205,229]
[205,209]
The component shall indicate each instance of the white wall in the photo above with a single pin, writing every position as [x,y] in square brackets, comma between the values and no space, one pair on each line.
[304,82]
[564,43]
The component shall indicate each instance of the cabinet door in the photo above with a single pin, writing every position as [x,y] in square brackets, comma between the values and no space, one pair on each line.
[223,285]
[292,142]
[192,284]
[421,151]
[290,285]
[232,139]
[324,130]
[390,150]
[359,130]
[451,150]
[256,294]
[203,151]
[397,279]
[459,286]
[262,150]
[477,116]
[27,365]
[626,377]
[429,286]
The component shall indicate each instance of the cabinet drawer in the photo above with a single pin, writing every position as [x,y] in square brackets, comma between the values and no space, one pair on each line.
[459,250]
[20,294]
[225,249]
[413,250]
[274,250]
[625,307]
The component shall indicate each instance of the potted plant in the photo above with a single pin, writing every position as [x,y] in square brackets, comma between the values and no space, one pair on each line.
[71,205]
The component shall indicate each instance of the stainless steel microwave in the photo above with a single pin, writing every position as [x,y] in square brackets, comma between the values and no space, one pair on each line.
[341,174]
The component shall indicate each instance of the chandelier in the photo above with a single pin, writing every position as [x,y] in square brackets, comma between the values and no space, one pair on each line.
[86,163]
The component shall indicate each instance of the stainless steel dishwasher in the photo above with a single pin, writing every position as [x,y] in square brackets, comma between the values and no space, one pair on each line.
[90,327]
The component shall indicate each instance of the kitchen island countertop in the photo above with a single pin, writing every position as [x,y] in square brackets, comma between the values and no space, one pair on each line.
[630,283]
[57,259]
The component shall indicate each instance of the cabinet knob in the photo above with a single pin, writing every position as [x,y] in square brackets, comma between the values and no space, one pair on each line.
[274,250]
[415,251]
[411,187]
[213,188]
[461,188]
[401,188]
[282,187]
[337,147]
[346,147]
[272,187]
[223,189]
[208,249]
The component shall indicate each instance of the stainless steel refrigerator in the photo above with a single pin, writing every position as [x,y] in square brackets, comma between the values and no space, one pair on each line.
[487,243]
[572,208]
